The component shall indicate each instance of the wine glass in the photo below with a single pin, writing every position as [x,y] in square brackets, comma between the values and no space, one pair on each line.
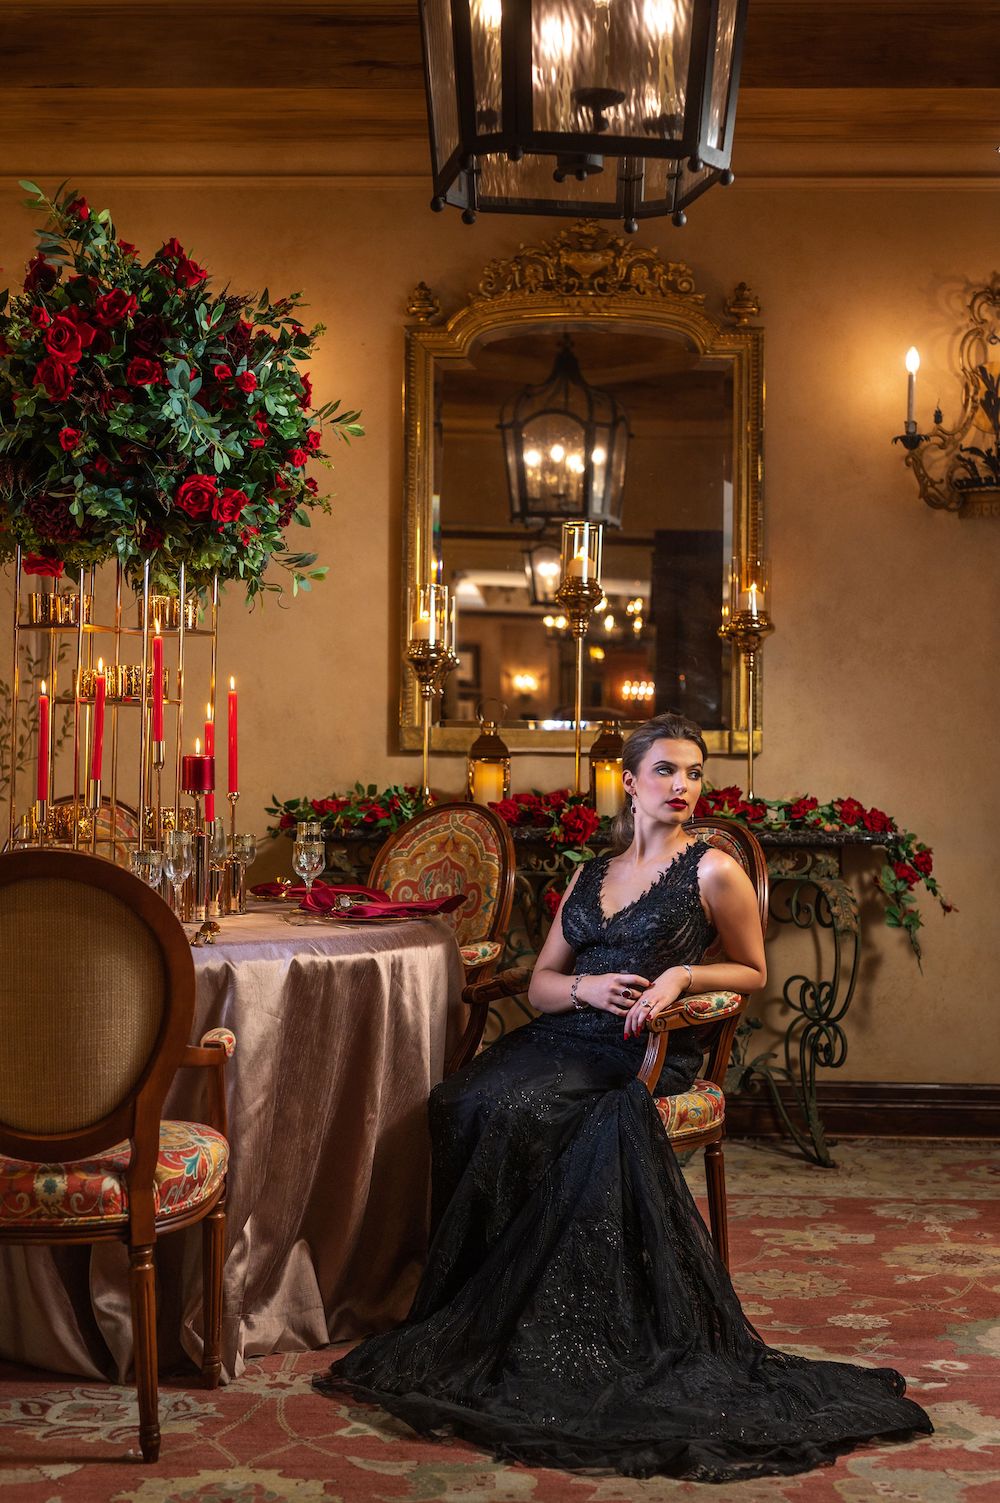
[178,861]
[218,845]
[308,860]
[147,864]
[245,849]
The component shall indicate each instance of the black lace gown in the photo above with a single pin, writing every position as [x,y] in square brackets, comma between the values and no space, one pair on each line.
[573,1312]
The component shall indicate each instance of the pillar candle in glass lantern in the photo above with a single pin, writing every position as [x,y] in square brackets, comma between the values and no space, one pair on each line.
[607,792]
[582,547]
[489,765]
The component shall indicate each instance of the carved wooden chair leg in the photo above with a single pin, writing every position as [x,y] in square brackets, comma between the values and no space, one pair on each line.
[715,1182]
[213,1252]
[142,1292]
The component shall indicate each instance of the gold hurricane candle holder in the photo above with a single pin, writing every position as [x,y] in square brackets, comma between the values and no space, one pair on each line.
[578,593]
[55,609]
[431,653]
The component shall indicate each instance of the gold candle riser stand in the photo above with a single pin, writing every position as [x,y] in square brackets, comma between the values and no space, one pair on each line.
[749,630]
[427,660]
[578,597]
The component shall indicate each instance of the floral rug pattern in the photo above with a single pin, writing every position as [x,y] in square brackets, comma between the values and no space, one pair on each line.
[892,1258]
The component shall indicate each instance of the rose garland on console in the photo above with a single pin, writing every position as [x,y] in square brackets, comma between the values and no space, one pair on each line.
[144,416]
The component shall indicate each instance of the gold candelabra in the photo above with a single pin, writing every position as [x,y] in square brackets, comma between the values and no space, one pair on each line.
[747,625]
[578,593]
[432,652]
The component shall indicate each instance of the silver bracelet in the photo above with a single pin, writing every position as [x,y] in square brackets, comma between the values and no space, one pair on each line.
[686,967]
[578,1002]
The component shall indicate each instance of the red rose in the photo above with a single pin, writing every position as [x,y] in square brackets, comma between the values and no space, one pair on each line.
[5,348]
[801,807]
[39,563]
[297,458]
[247,533]
[41,273]
[227,507]
[906,873]
[112,307]
[848,810]
[923,861]
[188,273]
[508,811]
[86,331]
[281,482]
[754,812]
[222,372]
[56,377]
[144,372]
[149,334]
[152,538]
[40,317]
[246,381]
[126,247]
[197,495]
[68,439]
[312,486]
[287,822]
[79,208]
[262,425]
[257,443]
[63,340]
[875,820]
[171,250]
[313,440]
[551,899]
[305,400]
[101,466]
[577,824]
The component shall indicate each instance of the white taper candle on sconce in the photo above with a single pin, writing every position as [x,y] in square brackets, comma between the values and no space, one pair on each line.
[912,366]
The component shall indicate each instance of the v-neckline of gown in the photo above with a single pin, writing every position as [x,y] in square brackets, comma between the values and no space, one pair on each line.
[607,918]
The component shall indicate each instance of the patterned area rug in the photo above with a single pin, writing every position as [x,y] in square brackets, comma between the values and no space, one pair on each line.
[892,1258]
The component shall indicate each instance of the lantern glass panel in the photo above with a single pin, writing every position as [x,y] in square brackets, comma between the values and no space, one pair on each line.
[722,73]
[485,16]
[440,61]
[529,184]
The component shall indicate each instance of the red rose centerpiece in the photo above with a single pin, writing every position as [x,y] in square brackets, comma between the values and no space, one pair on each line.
[144,416]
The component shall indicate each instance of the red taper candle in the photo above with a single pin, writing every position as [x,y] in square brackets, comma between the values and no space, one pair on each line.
[234,769]
[97,749]
[157,688]
[210,752]
[43,745]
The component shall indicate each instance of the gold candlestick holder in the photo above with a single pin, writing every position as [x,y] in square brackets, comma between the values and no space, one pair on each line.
[578,597]
[748,631]
[427,659]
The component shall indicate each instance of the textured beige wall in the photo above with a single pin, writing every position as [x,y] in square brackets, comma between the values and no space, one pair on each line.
[880,679]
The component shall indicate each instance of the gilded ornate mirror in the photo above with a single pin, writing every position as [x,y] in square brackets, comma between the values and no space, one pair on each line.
[672,465]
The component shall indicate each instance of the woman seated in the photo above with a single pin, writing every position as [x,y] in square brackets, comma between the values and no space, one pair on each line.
[574,1312]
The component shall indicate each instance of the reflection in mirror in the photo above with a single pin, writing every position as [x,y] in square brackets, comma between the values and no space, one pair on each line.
[653,642]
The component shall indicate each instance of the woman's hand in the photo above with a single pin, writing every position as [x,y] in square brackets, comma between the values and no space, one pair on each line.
[662,996]
[614,992]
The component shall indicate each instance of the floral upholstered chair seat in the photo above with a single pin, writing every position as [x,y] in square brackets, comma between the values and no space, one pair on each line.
[690,1112]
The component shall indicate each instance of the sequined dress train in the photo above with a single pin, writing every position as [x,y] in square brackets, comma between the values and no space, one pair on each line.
[573,1312]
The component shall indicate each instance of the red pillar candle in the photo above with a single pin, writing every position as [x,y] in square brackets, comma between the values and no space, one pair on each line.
[210,752]
[198,772]
[234,771]
[157,688]
[43,745]
[97,750]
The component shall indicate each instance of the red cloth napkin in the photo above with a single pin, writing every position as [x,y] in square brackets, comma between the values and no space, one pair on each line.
[298,890]
[325,901]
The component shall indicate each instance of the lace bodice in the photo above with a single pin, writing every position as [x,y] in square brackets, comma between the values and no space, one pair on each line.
[666,925]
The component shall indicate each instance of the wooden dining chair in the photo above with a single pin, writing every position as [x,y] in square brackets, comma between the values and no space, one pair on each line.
[96,1003]
[452,848]
[694,1118]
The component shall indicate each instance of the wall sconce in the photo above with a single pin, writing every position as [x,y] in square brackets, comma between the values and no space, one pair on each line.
[525,683]
[607,760]
[638,688]
[489,761]
[958,469]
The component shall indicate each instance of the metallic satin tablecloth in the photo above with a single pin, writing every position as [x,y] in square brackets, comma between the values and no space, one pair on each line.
[341,1032]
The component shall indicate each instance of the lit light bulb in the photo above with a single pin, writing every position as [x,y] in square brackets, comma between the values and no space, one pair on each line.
[561,623]
[659,17]
[609,623]
[557,453]
[548,568]
[532,458]
[913,360]
[490,14]
[575,463]
[598,456]
[549,621]
[597,653]
[637,625]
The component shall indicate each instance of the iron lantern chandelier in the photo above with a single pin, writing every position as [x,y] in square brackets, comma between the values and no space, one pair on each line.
[612,109]
[565,442]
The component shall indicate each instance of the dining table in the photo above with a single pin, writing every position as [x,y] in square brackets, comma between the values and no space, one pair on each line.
[342,1028]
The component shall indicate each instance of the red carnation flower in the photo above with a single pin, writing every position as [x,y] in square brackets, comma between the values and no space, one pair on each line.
[79,208]
[40,274]
[40,563]
[68,439]
[197,495]
[228,506]
[64,341]
[40,317]
[144,372]
[297,458]
[57,378]
[246,381]
[112,307]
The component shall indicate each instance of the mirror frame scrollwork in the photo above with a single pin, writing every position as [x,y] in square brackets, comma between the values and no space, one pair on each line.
[583,275]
